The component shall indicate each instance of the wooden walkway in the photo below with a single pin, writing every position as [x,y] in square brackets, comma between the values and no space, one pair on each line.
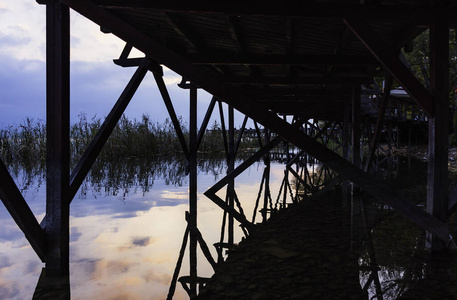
[311,251]
[303,252]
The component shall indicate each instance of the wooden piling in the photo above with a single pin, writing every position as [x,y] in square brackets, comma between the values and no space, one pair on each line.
[58,140]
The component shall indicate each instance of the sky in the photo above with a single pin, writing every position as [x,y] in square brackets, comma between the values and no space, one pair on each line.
[96,82]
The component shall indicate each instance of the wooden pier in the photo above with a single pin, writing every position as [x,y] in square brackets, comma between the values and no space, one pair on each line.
[287,68]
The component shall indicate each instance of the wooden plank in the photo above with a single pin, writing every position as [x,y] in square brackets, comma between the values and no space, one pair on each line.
[215,86]
[57,225]
[294,80]
[186,32]
[420,14]
[229,59]
[391,62]
[21,212]
[96,145]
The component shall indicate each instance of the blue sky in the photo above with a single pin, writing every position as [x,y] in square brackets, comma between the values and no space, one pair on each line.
[96,82]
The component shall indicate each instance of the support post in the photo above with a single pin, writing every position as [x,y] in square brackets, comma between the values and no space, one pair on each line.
[266,195]
[58,141]
[437,187]
[230,168]
[356,126]
[345,148]
[192,221]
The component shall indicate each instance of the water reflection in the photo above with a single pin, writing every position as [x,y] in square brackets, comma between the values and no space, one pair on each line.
[128,221]
[393,261]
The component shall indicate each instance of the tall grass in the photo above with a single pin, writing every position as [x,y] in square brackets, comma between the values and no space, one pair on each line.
[25,145]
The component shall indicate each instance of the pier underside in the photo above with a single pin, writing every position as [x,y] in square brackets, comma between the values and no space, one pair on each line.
[303,71]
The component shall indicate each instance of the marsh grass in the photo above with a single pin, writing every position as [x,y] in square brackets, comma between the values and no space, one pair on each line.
[25,145]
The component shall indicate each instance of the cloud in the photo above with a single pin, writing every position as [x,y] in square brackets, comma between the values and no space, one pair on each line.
[4,262]
[142,241]
[14,36]
[96,83]
[22,30]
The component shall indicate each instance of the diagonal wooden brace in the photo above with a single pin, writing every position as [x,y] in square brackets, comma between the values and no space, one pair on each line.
[392,63]
[21,212]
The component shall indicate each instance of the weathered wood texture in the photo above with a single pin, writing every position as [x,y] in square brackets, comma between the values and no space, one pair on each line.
[58,139]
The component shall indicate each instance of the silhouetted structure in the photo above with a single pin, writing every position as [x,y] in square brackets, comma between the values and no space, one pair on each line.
[304,60]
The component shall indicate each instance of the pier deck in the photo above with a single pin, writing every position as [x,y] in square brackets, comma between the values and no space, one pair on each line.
[303,252]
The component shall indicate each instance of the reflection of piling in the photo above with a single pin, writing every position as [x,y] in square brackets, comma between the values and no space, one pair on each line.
[193,190]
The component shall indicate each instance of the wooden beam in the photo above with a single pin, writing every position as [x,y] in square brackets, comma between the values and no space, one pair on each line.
[437,185]
[96,145]
[388,57]
[240,134]
[21,212]
[193,169]
[179,24]
[125,61]
[235,33]
[214,85]
[356,123]
[281,60]
[230,167]
[293,80]
[452,201]
[171,112]
[211,192]
[57,225]
[205,121]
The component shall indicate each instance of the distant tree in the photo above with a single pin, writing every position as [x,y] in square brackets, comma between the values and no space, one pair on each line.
[419,62]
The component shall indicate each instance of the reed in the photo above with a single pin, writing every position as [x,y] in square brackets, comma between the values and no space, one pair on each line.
[25,145]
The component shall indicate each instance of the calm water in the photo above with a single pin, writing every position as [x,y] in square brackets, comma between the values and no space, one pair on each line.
[127,229]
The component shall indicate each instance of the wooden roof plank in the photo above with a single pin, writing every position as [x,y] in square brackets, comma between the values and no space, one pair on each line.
[420,14]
